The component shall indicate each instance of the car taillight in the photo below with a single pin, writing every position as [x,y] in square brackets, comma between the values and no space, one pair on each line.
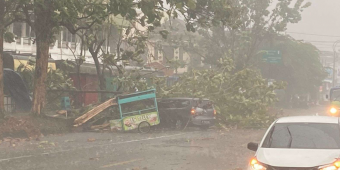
[193,111]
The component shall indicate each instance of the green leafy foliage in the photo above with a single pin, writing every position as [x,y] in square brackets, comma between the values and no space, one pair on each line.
[250,24]
[9,37]
[254,26]
[131,81]
[56,80]
[240,97]
[244,94]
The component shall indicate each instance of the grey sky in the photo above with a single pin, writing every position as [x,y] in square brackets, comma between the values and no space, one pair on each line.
[322,18]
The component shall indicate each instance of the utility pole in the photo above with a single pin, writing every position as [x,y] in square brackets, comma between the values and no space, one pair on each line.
[334,61]
[334,70]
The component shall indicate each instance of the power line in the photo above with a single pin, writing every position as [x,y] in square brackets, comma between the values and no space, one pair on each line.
[328,45]
[325,47]
[320,41]
[320,35]
[323,44]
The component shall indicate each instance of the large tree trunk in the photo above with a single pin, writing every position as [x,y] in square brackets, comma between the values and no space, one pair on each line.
[2,108]
[94,53]
[2,31]
[100,77]
[44,34]
[40,76]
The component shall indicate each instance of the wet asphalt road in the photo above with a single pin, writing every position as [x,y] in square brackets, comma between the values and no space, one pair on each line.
[192,149]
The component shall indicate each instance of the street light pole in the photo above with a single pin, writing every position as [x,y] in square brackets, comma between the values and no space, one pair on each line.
[334,61]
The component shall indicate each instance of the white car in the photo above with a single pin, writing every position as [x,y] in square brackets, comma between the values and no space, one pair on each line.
[299,143]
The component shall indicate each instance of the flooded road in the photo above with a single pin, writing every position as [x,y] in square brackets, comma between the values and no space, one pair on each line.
[192,149]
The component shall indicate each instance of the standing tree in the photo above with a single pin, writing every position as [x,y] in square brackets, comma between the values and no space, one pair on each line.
[300,68]
[46,17]
[114,35]
[253,24]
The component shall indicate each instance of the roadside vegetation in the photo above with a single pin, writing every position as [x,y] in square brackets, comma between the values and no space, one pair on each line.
[228,36]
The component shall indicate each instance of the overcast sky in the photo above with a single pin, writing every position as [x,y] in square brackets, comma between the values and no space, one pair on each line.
[322,18]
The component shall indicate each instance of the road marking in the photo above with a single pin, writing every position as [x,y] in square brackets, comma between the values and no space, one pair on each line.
[19,157]
[87,147]
[120,163]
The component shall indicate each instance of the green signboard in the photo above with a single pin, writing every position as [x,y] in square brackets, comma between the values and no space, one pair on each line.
[272,56]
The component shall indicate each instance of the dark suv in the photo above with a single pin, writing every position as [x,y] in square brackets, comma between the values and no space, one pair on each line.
[178,112]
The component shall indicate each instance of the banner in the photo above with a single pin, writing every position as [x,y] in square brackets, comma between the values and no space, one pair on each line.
[132,122]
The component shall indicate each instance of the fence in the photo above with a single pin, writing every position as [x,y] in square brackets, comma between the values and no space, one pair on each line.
[9,104]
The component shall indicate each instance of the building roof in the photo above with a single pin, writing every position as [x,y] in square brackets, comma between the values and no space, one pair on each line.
[308,119]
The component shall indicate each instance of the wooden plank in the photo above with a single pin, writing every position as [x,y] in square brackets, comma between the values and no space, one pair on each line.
[93,112]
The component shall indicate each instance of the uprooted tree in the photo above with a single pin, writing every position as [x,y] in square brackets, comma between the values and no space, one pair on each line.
[241,97]
[232,48]
[257,26]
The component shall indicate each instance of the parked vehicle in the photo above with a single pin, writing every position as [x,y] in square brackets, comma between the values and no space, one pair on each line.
[179,112]
[303,142]
[334,98]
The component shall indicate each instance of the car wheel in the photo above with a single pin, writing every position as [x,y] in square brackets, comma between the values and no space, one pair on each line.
[204,127]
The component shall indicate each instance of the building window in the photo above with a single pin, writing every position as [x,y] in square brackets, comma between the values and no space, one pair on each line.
[67,36]
[17,29]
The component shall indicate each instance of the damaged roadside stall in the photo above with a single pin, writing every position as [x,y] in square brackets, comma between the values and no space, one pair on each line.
[137,111]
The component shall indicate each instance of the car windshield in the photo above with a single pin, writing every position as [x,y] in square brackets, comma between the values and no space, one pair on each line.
[303,136]
[205,104]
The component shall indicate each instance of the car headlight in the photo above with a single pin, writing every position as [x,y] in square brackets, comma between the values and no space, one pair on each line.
[333,110]
[334,166]
[255,165]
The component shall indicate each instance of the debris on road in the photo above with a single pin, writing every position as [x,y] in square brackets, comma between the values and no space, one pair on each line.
[93,112]
[59,113]
[14,125]
[62,112]
[69,141]
[91,139]
[95,158]
[98,127]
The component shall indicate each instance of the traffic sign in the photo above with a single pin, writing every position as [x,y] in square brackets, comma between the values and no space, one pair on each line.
[272,56]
